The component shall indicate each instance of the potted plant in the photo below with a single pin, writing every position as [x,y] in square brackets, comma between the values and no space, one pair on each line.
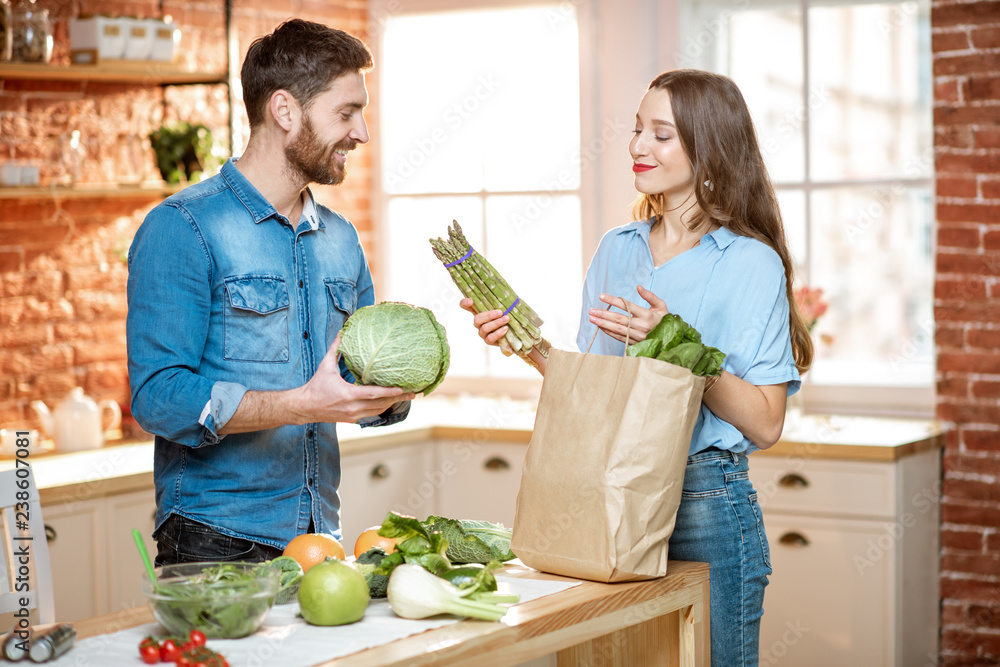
[184,151]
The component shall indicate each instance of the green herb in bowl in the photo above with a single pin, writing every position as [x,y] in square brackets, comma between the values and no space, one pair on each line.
[223,600]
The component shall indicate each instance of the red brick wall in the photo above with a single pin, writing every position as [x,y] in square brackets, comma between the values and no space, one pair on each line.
[966,45]
[62,274]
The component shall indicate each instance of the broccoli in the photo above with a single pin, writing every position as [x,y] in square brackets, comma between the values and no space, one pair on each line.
[366,564]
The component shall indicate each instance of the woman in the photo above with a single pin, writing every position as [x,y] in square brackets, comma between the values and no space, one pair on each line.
[709,246]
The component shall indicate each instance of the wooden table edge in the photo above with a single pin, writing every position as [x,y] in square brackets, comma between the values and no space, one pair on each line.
[685,585]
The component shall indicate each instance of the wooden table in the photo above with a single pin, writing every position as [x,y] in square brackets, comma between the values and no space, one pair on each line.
[658,622]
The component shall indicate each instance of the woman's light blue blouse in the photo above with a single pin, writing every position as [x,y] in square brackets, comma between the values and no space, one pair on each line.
[730,288]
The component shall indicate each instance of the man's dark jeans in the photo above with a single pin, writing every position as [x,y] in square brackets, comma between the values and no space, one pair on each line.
[183,540]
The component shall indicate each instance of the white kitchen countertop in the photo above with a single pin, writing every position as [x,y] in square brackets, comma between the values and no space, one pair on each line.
[134,461]
[123,467]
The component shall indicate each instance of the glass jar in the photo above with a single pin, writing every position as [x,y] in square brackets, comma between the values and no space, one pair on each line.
[32,34]
[6,31]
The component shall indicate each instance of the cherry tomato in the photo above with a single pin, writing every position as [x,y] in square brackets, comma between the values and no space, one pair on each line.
[150,654]
[183,661]
[197,638]
[169,650]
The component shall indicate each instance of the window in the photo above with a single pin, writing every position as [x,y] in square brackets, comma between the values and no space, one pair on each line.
[841,96]
[479,122]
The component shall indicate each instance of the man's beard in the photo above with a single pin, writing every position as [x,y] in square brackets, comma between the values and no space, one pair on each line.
[314,160]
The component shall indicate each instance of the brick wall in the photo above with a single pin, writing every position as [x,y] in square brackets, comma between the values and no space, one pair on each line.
[62,270]
[966,46]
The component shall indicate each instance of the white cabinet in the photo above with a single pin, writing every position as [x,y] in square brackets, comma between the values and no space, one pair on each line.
[96,568]
[77,553]
[402,479]
[480,479]
[854,549]
[456,478]
[125,568]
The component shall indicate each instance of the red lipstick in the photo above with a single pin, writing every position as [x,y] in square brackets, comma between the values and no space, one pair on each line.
[638,167]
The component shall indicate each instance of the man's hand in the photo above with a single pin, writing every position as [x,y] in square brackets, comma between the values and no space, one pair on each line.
[326,397]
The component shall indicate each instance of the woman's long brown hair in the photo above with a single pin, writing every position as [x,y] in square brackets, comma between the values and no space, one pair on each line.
[718,136]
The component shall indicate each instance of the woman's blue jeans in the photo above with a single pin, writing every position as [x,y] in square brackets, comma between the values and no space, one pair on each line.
[720,523]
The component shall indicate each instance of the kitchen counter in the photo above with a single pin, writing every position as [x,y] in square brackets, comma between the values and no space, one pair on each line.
[636,623]
[856,438]
[127,466]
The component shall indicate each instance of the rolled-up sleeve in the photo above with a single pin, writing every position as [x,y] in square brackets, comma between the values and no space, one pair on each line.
[169,306]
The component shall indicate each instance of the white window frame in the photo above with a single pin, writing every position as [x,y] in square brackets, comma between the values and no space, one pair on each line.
[623,45]
[621,42]
[916,402]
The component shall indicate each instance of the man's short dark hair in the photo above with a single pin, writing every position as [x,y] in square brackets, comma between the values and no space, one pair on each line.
[301,57]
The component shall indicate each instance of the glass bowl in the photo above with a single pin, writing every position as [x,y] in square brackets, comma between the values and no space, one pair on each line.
[223,600]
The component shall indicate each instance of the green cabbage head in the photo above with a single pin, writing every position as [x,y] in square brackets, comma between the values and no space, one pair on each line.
[395,344]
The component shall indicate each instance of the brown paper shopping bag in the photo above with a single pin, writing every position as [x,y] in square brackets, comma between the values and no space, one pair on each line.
[604,471]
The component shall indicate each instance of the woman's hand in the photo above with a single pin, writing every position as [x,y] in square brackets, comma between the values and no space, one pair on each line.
[492,324]
[643,319]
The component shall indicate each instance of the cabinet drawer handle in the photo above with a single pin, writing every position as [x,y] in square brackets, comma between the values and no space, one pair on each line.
[496,464]
[50,533]
[794,539]
[793,481]
[379,472]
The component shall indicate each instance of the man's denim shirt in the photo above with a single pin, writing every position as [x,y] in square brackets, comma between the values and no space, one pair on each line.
[224,296]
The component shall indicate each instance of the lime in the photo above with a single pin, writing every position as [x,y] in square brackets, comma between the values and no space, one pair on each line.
[333,593]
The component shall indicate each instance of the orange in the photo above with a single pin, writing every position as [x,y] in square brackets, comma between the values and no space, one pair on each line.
[370,538]
[312,548]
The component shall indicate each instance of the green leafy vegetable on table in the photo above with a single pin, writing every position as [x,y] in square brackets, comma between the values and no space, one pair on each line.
[471,541]
[367,563]
[227,600]
[416,593]
[481,548]
[289,577]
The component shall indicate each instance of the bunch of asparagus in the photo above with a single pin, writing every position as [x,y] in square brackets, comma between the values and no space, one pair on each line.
[479,281]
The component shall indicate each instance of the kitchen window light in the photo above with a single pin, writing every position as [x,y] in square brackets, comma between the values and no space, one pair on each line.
[840,92]
[491,140]
[841,95]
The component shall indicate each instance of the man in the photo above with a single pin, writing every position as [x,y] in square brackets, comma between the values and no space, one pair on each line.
[238,288]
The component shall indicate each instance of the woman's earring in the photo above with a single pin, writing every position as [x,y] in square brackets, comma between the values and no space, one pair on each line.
[710,186]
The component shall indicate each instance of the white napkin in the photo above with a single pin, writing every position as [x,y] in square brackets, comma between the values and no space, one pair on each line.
[287,639]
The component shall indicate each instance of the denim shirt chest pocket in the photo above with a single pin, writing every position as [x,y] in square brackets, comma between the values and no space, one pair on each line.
[256,319]
[341,301]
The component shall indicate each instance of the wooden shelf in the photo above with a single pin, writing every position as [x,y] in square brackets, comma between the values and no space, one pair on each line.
[124,191]
[120,71]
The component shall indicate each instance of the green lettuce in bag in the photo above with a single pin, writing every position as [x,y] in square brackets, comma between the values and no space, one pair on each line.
[673,340]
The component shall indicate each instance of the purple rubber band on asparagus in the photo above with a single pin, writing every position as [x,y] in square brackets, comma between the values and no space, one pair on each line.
[460,259]
[517,300]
